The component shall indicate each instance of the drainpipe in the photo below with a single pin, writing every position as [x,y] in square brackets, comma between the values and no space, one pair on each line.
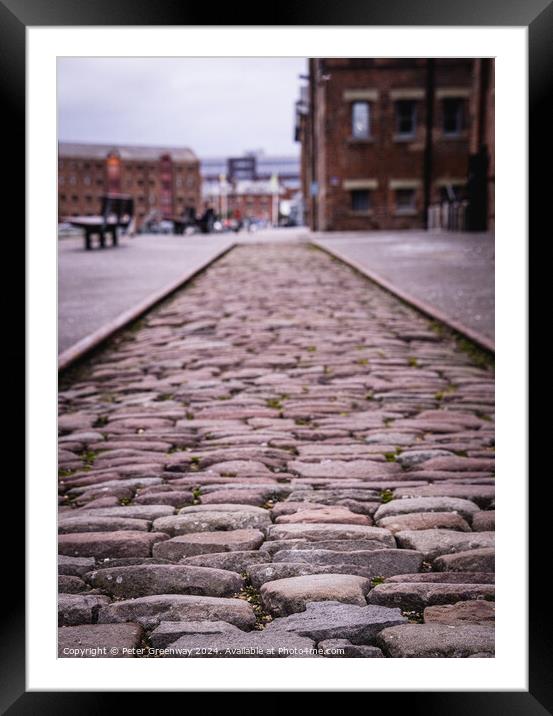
[428,139]
[312,198]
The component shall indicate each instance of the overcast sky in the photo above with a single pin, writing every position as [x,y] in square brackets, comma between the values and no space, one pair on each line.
[215,106]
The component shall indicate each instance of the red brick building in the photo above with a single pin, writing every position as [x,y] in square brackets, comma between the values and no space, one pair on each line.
[383,139]
[256,199]
[162,179]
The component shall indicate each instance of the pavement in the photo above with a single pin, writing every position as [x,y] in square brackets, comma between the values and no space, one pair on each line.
[451,272]
[282,460]
[94,287]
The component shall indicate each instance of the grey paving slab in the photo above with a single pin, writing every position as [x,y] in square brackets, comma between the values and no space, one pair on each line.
[94,287]
[454,272]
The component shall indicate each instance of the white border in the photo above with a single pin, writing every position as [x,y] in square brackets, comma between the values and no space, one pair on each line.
[508,671]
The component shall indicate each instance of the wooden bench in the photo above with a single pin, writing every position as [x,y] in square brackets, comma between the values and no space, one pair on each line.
[116,213]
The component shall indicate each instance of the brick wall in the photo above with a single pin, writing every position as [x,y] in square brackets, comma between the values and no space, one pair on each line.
[391,167]
[82,180]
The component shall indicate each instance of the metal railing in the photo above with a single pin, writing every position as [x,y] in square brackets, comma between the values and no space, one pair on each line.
[448,216]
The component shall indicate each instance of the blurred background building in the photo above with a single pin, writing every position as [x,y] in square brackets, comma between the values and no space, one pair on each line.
[397,143]
[168,182]
[161,180]
[261,188]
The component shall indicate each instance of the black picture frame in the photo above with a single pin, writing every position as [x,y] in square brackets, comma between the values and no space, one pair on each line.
[537,16]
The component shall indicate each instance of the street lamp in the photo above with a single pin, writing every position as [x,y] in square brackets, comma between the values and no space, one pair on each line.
[274,190]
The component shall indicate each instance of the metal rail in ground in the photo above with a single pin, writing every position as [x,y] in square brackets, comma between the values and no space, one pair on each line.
[483,342]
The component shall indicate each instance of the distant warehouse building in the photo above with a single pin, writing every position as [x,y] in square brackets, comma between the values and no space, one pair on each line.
[161,180]
[257,186]
[383,140]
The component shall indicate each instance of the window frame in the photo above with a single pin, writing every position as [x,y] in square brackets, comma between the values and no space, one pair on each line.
[461,116]
[356,192]
[353,136]
[407,210]
[414,118]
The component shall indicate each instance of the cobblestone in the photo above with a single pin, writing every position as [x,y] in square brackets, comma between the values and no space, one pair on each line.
[274,459]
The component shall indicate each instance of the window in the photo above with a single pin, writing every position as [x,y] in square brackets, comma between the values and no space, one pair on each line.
[453,116]
[406,118]
[405,200]
[61,181]
[72,180]
[87,181]
[360,200]
[360,120]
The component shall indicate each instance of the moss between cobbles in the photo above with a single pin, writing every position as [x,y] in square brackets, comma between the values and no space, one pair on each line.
[89,456]
[413,616]
[390,456]
[375,581]
[271,501]
[479,356]
[101,421]
[197,493]
[253,597]
[175,448]
[386,495]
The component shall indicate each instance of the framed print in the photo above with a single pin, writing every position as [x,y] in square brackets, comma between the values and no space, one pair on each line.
[267,327]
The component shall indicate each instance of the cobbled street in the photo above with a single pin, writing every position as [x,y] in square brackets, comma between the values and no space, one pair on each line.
[282,460]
